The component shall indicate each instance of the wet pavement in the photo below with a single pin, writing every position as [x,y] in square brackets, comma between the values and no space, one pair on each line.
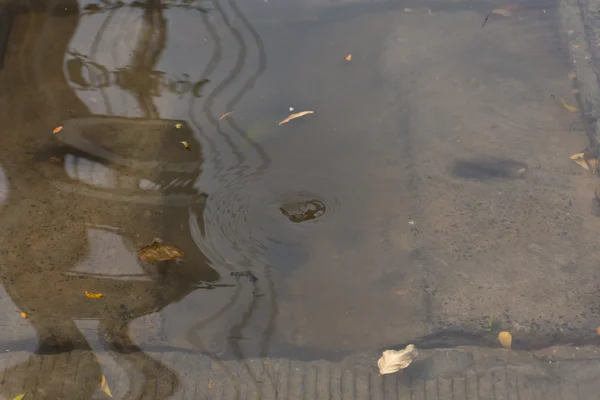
[429,198]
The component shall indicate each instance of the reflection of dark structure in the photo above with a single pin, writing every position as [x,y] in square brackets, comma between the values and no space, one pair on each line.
[44,227]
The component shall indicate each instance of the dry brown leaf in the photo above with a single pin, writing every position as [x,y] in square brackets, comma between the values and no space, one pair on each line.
[394,360]
[211,384]
[185,145]
[158,251]
[505,339]
[20,396]
[503,12]
[58,129]
[572,75]
[407,10]
[570,108]
[598,331]
[294,116]
[349,57]
[225,115]
[402,292]
[91,295]
[24,315]
[104,387]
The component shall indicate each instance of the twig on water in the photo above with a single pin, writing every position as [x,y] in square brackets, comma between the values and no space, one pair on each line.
[486,18]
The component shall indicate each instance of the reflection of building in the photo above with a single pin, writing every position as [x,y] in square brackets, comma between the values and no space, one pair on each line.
[114,177]
[80,202]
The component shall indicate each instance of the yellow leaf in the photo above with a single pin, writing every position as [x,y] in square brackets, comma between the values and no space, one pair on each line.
[392,360]
[576,156]
[579,158]
[225,115]
[185,145]
[505,339]
[105,388]
[349,57]
[294,116]
[178,126]
[583,164]
[158,251]
[570,108]
[20,397]
[24,315]
[90,295]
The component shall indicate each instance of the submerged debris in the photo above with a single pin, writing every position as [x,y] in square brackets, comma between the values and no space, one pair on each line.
[158,251]
[395,360]
[251,277]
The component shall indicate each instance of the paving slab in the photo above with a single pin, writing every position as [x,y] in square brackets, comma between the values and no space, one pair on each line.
[559,372]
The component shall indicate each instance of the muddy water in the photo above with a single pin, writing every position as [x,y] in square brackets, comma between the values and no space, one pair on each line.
[433,171]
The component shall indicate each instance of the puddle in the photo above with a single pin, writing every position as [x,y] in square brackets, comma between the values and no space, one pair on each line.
[431,186]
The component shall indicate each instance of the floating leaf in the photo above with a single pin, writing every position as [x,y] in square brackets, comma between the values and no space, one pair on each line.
[570,108]
[348,58]
[394,360]
[505,339]
[58,129]
[503,12]
[579,158]
[104,387]
[178,126]
[158,251]
[294,116]
[20,397]
[91,295]
[225,115]
[24,315]
[185,145]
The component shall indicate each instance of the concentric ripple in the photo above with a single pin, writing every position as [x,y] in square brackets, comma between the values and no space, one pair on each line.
[249,220]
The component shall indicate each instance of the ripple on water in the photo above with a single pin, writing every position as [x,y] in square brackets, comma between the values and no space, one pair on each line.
[252,221]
